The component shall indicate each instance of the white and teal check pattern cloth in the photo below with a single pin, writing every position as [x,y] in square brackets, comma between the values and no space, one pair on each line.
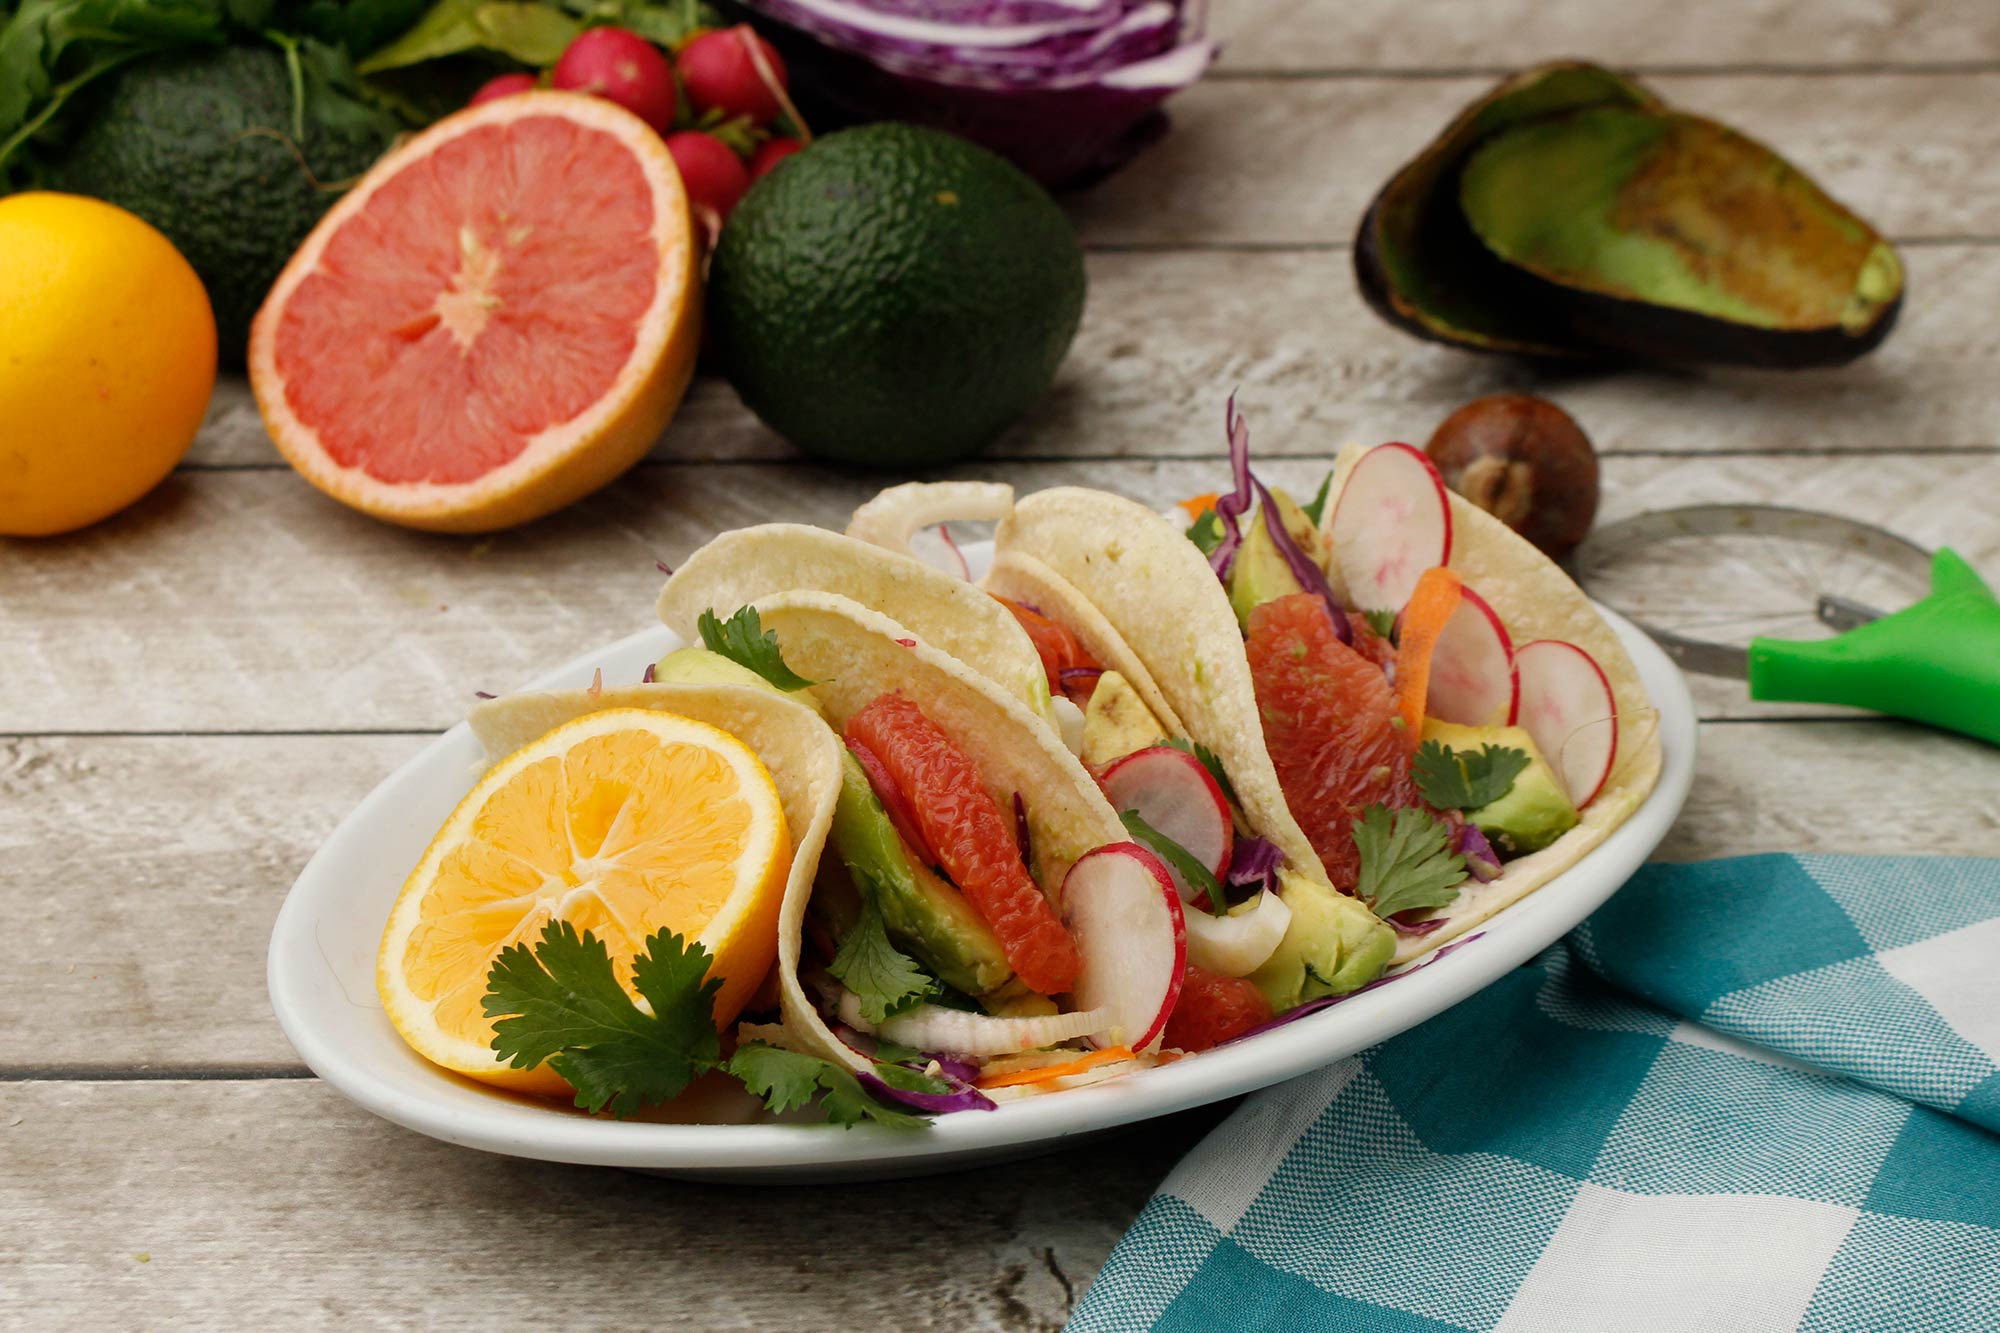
[1747,1095]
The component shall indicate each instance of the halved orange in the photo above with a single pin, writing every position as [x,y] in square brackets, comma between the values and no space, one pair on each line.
[498,319]
[622,823]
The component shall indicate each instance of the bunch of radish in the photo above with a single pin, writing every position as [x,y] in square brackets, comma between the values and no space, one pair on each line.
[721,103]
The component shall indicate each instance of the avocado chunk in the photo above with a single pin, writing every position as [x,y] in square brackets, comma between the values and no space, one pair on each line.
[921,912]
[1671,238]
[699,666]
[1534,812]
[1260,573]
[1333,945]
[1117,722]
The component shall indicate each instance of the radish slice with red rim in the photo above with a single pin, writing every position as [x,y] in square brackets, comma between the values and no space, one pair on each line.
[1567,706]
[1121,907]
[1392,522]
[1179,798]
[1473,680]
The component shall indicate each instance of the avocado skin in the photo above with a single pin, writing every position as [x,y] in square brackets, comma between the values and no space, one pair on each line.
[1333,945]
[200,145]
[894,297]
[920,911]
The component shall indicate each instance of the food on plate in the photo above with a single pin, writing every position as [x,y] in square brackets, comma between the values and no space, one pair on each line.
[1068,93]
[94,411]
[895,297]
[1526,462]
[471,364]
[1569,212]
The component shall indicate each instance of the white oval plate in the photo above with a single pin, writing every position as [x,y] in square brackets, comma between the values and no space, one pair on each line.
[322,981]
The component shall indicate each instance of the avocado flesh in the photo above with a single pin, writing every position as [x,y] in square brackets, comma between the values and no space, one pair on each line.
[921,912]
[1117,722]
[1333,945]
[1675,238]
[1534,812]
[699,666]
[1416,262]
[1260,573]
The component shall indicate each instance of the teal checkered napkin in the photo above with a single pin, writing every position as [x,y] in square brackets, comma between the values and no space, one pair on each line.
[1746,1095]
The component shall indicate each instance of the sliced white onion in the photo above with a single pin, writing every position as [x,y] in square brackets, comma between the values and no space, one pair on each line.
[1069,721]
[932,1027]
[1237,945]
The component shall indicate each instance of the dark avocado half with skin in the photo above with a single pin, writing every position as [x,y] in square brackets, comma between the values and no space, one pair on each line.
[1670,238]
[1417,262]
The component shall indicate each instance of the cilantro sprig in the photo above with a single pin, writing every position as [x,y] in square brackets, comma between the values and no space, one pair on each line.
[1317,508]
[884,978]
[1208,761]
[1199,877]
[744,640]
[1206,531]
[1382,622]
[1406,860]
[561,1002]
[1466,779]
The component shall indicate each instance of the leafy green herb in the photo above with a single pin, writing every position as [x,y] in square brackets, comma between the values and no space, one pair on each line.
[1208,761]
[744,640]
[787,1080]
[561,1002]
[1314,510]
[884,978]
[1406,860]
[1198,876]
[1466,779]
[1206,531]
[1382,622]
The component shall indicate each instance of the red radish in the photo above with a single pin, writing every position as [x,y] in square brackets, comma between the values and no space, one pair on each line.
[714,176]
[900,812]
[1473,681]
[1567,706]
[623,67]
[1177,796]
[770,153]
[1392,523]
[504,85]
[720,71]
[1237,945]
[1121,909]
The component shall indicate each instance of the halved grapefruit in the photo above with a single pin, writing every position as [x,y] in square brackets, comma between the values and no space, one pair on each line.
[499,319]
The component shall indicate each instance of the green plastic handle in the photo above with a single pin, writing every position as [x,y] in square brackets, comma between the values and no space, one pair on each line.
[1937,661]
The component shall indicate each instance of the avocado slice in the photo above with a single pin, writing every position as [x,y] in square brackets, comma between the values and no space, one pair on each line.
[1117,722]
[1260,573]
[699,666]
[1418,264]
[922,913]
[1671,238]
[1333,945]
[1534,812]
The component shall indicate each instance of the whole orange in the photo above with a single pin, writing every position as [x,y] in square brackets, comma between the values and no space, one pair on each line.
[107,361]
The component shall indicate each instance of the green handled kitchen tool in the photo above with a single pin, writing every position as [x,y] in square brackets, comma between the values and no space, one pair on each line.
[1732,590]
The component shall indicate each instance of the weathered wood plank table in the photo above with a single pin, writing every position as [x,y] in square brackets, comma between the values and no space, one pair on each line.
[193,693]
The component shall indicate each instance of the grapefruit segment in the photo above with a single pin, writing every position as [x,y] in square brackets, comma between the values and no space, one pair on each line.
[500,318]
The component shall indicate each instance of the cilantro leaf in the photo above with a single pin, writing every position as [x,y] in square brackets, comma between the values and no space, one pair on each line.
[1208,761]
[1198,876]
[1206,531]
[1382,622]
[787,1080]
[744,640]
[884,978]
[1406,861]
[1466,779]
[1318,505]
[562,1003]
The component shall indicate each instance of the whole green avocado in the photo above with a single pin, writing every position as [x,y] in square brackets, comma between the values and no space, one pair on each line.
[893,296]
[202,145]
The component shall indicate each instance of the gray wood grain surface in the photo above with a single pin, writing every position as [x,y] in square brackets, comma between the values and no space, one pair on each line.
[193,693]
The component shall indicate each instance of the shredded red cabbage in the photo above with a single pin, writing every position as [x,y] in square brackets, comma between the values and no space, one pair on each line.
[1480,858]
[1021,835]
[1314,1006]
[651,677]
[1255,861]
[664,568]
[1235,504]
[960,1067]
[1414,929]
[1311,577]
[962,1096]
[1077,674]
[482,694]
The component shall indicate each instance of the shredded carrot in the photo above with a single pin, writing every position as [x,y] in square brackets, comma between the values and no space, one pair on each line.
[1195,505]
[1050,1073]
[1436,597]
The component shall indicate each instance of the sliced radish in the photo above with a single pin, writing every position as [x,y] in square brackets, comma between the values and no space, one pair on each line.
[1473,681]
[1176,795]
[1392,523]
[1121,908]
[1567,706]
[935,547]
[1237,945]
